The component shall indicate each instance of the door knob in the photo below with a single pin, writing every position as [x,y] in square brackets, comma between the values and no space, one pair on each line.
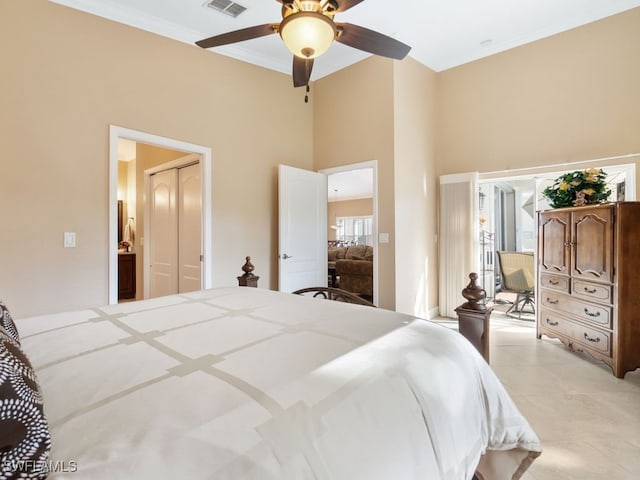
[284,256]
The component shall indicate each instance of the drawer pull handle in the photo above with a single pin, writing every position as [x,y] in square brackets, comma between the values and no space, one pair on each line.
[597,314]
[553,324]
[554,282]
[591,339]
[552,302]
[590,291]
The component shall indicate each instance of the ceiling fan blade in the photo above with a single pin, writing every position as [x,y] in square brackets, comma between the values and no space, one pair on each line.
[347,4]
[301,71]
[238,35]
[370,41]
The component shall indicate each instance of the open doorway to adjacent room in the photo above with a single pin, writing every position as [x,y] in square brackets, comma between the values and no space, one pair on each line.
[507,207]
[352,222]
[135,159]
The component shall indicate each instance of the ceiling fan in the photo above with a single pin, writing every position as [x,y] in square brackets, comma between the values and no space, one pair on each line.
[308,30]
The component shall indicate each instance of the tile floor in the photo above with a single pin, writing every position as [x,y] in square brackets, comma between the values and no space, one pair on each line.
[587,420]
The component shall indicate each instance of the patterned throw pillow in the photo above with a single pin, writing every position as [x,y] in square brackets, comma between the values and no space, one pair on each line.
[6,322]
[25,441]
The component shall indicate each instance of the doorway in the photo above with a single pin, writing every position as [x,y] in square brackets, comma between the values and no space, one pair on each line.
[466,237]
[204,153]
[352,209]
[508,206]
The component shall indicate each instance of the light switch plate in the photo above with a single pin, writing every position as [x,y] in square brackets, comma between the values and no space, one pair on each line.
[383,238]
[69,239]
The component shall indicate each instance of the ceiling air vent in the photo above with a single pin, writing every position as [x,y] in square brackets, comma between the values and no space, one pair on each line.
[228,7]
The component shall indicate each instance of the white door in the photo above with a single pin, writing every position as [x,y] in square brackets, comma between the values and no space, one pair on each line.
[189,229]
[175,231]
[302,201]
[163,234]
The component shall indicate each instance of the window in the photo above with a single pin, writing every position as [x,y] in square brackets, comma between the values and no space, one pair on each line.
[355,230]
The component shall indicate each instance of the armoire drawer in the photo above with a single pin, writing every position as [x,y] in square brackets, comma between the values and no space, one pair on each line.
[592,338]
[589,312]
[592,291]
[554,282]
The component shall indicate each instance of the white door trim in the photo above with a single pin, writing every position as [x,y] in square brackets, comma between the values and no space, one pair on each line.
[373,164]
[116,132]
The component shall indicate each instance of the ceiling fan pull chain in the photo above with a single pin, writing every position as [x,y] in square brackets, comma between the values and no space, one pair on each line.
[306,95]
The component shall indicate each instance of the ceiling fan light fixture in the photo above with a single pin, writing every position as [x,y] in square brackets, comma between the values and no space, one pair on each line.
[307,34]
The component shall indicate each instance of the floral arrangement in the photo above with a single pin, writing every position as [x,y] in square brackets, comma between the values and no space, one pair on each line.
[582,187]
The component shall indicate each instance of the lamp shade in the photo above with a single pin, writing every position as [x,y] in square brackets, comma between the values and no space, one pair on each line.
[307,34]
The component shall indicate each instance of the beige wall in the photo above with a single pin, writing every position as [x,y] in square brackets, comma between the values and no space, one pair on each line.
[69,75]
[353,122]
[123,180]
[571,97]
[385,110]
[66,77]
[347,208]
[416,250]
[127,188]
[131,201]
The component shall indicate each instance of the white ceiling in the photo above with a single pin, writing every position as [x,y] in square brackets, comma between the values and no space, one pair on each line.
[442,33]
[350,185]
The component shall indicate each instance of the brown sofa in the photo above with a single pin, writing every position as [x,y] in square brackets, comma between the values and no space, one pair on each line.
[354,268]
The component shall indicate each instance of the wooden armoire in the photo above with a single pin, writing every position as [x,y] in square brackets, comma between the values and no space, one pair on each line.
[588,290]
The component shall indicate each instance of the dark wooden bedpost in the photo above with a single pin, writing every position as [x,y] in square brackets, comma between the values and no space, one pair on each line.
[248,279]
[473,316]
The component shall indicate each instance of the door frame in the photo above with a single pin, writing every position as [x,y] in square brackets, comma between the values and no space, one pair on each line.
[117,132]
[190,159]
[373,164]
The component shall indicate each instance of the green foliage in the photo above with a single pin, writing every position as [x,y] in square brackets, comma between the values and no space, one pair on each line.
[582,187]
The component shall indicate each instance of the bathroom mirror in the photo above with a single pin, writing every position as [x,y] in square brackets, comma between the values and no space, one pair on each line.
[119,221]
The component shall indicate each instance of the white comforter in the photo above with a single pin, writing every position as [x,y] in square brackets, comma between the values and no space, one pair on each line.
[251,384]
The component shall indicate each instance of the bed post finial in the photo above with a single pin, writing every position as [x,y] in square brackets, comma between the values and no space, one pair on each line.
[474,294]
[248,267]
[248,279]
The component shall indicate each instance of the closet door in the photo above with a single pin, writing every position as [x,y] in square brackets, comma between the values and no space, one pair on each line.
[163,234]
[189,229]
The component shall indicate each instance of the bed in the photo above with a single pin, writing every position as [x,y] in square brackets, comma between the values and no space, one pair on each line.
[251,384]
